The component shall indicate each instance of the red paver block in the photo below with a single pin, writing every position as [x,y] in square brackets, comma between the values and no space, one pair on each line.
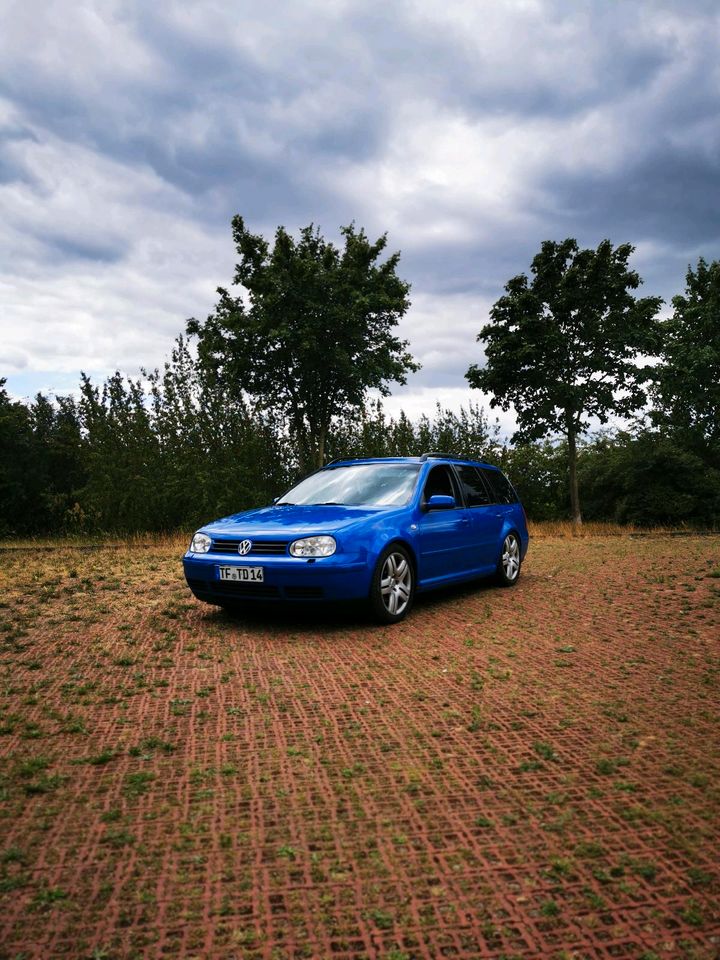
[522,773]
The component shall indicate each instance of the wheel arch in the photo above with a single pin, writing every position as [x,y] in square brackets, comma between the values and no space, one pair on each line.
[402,542]
[410,549]
[507,529]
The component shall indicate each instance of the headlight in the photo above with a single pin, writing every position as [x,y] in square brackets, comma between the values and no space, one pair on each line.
[200,543]
[313,547]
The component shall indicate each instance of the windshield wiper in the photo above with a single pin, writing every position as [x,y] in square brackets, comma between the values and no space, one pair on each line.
[284,503]
[327,503]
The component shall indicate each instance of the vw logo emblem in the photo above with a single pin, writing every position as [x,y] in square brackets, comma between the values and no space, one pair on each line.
[244,547]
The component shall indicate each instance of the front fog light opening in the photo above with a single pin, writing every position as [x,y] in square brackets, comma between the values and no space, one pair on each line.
[321,546]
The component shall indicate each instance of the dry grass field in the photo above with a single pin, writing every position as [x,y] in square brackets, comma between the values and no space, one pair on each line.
[521,773]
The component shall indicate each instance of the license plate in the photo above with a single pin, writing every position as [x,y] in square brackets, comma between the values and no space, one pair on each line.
[244,574]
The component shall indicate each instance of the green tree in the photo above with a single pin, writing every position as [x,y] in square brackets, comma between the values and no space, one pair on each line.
[565,345]
[311,331]
[647,478]
[19,489]
[539,474]
[41,464]
[217,455]
[60,461]
[372,433]
[686,390]
[124,490]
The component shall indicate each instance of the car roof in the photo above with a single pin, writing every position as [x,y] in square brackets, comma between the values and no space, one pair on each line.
[434,457]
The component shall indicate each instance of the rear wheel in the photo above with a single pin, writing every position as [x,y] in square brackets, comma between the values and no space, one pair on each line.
[393,585]
[509,565]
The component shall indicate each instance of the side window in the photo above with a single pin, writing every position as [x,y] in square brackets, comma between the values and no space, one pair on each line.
[440,481]
[500,486]
[474,488]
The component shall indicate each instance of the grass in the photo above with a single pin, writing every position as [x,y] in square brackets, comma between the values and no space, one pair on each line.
[177,541]
[129,542]
[369,785]
[138,783]
[565,529]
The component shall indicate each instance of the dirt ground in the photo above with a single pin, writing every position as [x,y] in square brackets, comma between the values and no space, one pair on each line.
[521,773]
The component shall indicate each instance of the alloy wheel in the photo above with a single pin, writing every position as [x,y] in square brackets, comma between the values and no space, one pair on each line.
[511,556]
[396,583]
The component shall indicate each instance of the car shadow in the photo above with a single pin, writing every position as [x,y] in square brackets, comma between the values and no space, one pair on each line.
[309,617]
[451,594]
[306,617]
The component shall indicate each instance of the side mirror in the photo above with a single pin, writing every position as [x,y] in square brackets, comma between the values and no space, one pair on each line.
[275,499]
[439,501]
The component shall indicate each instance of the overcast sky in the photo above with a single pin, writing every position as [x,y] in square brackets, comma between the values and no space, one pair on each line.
[131,132]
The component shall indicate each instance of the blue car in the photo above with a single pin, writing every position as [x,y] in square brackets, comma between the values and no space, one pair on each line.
[370,529]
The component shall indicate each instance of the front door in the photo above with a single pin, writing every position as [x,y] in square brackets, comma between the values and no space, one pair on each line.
[445,535]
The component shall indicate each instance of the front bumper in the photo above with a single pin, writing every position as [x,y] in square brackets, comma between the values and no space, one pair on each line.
[285,578]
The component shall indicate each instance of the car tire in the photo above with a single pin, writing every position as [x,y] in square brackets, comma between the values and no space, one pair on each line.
[393,585]
[508,569]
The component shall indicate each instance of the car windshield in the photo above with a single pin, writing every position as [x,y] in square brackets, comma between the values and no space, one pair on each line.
[357,485]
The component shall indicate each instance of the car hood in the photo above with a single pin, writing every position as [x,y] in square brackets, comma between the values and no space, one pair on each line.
[291,521]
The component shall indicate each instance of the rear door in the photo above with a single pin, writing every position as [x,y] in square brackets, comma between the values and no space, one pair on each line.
[506,502]
[486,519]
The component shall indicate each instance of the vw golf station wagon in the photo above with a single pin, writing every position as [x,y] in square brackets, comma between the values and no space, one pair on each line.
[370,529]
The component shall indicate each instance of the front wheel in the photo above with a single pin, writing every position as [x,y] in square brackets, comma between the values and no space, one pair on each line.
[393,585]
[509,565]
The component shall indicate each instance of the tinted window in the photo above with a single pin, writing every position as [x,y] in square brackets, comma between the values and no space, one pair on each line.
[473,487]
[439,481]
[500,486]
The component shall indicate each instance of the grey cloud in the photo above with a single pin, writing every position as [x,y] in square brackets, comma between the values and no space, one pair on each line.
[471,131]
[671,195]
[69,248]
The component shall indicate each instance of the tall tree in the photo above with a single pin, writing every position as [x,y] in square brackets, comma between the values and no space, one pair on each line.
[686,390]
[565,345]
[216,455]
[125,483]
[19,490]
[311,331]
[60,468]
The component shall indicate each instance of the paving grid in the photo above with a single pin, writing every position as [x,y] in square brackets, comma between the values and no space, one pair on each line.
[508,774]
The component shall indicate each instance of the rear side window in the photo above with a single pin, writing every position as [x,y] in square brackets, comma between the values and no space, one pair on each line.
[474,488]
[500,486]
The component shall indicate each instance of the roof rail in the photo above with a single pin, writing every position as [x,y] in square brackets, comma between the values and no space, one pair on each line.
[446,456]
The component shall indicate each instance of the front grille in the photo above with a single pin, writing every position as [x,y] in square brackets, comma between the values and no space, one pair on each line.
[259,548]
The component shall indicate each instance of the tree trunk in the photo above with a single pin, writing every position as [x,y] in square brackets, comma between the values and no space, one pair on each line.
[572,464]
[320,449]
[305,453]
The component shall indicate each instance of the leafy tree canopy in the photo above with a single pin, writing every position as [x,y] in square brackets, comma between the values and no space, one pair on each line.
[563,346]
[312,329]
[687,380]
[647,478]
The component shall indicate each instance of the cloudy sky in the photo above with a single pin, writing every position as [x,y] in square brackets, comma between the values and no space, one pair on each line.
[131,132]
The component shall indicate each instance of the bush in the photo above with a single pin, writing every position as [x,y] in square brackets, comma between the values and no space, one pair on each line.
[648,480]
